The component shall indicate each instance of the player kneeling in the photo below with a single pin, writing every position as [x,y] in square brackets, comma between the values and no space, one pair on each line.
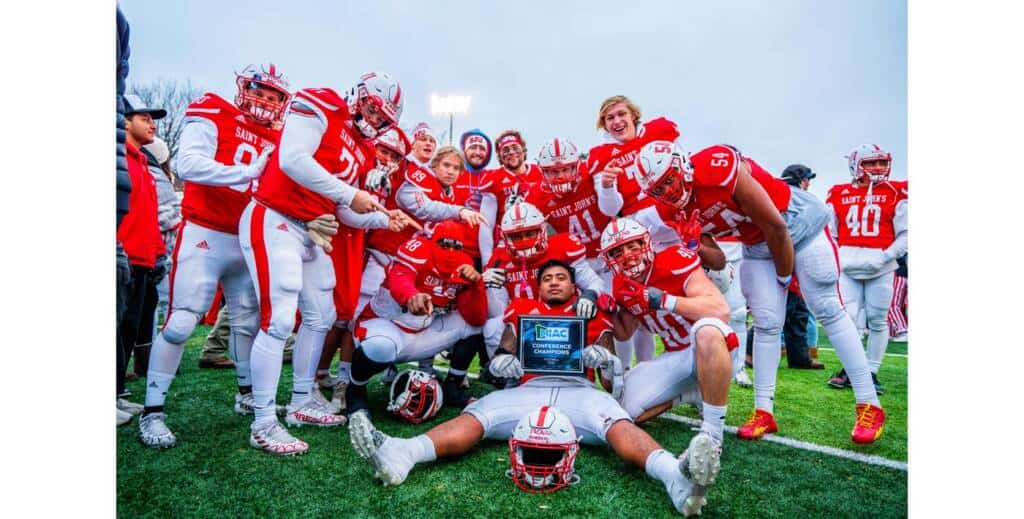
[523,413]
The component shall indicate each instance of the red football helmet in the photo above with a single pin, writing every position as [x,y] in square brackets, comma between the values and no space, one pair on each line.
[880,163]
[524,230]
[614,240]
[415,396]
[665,173]
[559,161]
[255,104]
[543,449]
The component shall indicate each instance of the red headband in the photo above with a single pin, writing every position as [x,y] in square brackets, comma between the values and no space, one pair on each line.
[510,139]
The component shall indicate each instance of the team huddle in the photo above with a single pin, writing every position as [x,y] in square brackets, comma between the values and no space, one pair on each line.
[318,215]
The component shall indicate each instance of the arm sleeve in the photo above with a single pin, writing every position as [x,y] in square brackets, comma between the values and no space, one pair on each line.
[899,246]
[299,141]
[468,302]
[374,220]
[414,199]
[587,278]
[195,158]
[609,200]
[401,282]
[833,221]
[497,301]
[488,208]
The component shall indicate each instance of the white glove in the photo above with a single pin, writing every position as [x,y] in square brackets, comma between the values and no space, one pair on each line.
[494,278]
[256,168]
[598,357]
[505,366]
[586,304]
[378,179]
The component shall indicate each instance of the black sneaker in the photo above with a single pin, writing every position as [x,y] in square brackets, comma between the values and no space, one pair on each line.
[454,395]
[839,380]
[878,387]
[356,399]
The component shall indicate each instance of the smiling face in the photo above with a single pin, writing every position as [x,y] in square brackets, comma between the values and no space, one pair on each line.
[619,122]
[476,155]
[423,147]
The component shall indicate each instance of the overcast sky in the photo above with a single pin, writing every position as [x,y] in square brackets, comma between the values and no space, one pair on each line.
[785,81]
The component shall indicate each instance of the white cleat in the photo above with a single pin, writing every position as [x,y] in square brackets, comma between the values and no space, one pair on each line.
[153,431]
[123,417]
[246,405]
[312,413]
[742,379]
[130,407]
[392,463]
[680,491]
[276,440]
[323,402]
[700,465]
[326,382]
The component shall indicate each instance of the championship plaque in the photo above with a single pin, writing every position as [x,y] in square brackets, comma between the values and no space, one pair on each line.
[552,345]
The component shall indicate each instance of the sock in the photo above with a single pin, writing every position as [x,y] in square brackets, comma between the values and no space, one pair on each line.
[643,345]
[740,328]
[322,373]
[878,340]
[157,384]
[344,371]
[663,466]
[240,351]
[846,340]
[267,353]
[309,343]
[164,359]
[624,350]
[421,448]
[714,420]
[767,352]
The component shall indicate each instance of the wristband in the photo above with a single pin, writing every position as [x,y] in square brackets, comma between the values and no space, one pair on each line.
[784,280]
[668,303]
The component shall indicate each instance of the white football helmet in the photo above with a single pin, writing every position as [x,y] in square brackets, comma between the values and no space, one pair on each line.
[559,161]
[543,449]
[525,231]
[722,278]
[415,396]
[383,93]
[394,140]
[874,173]
[262,110]
[665,173]
[620,232]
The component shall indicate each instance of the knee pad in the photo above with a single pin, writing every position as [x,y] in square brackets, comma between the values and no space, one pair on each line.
[179,326]
[731,341]
[380,348]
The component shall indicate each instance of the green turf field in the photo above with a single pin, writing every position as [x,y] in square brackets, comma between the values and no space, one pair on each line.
[213,471]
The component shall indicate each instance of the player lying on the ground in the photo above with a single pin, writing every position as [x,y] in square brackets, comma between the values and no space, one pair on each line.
[782,229]
[869,221]
[224,147]
[504,414]
[669,294]
[431,297]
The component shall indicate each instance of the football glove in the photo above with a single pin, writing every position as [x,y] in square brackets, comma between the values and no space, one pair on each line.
[378,180]
[494,278]
[321,229]
[598,357]
[636,296]
[586,304]
[505,366]
[159,270]
[689,230]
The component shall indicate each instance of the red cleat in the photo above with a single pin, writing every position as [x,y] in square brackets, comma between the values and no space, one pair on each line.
[760,423]
[870,421]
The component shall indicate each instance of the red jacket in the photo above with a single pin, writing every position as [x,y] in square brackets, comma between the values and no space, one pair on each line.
[139,232]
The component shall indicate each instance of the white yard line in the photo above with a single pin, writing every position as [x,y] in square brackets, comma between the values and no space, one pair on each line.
[789,442]
[904,355]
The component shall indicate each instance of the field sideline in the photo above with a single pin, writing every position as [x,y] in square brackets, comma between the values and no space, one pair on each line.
[213,471]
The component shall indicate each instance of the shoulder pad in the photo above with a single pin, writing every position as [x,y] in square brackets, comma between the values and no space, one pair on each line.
[415,252]
[715,166]
[661,128]
[677,260]
[422,178]
[211,106]
[325,98]
[569,247]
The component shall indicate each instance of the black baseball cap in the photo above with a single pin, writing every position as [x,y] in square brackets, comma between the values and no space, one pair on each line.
[794,173]
[135,105]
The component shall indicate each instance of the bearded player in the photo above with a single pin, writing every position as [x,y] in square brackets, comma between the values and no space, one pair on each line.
[783,231]
[315,170]
[591,412]
[869,221]
[224,148]
[619,194]
[431,297]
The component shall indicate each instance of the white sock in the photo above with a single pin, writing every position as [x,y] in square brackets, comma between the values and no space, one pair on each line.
[767,351]
[714,420]
[643,345]
[846,340]
[267,353]
[663,466]
[624,350]
[156,387]
[344,371]
[240,350]
[878,340]
[421,448]
[309,344]
[164,359]
[738,356]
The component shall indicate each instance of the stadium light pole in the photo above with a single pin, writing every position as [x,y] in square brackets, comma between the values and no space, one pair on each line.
[441,105]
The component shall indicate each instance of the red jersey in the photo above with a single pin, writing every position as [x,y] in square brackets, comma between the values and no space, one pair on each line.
[575,213]
[239,141]
[521,276]
[418,255]
[139,232]
[715,173]
[343,152]
[864,223]
[469,189]
[623,155]
[672,268]
[388,241]
[504,184]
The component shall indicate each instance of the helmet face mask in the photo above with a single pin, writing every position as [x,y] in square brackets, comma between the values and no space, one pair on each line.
[375,103]
[870,163]
[524,230]
[626,248]
[665,173]
[256,94]
[415,396]
[543,450]
[559,161]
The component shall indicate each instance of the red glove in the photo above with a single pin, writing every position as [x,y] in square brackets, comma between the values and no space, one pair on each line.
[689,230]
[636,297]
[607,303]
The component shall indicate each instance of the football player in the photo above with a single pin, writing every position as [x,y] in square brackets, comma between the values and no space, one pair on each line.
[781,229]
[611,165]
[869,222]
[424,143]
[224,149]
[668,294]
[324,152]
[430,298]
[593,413]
